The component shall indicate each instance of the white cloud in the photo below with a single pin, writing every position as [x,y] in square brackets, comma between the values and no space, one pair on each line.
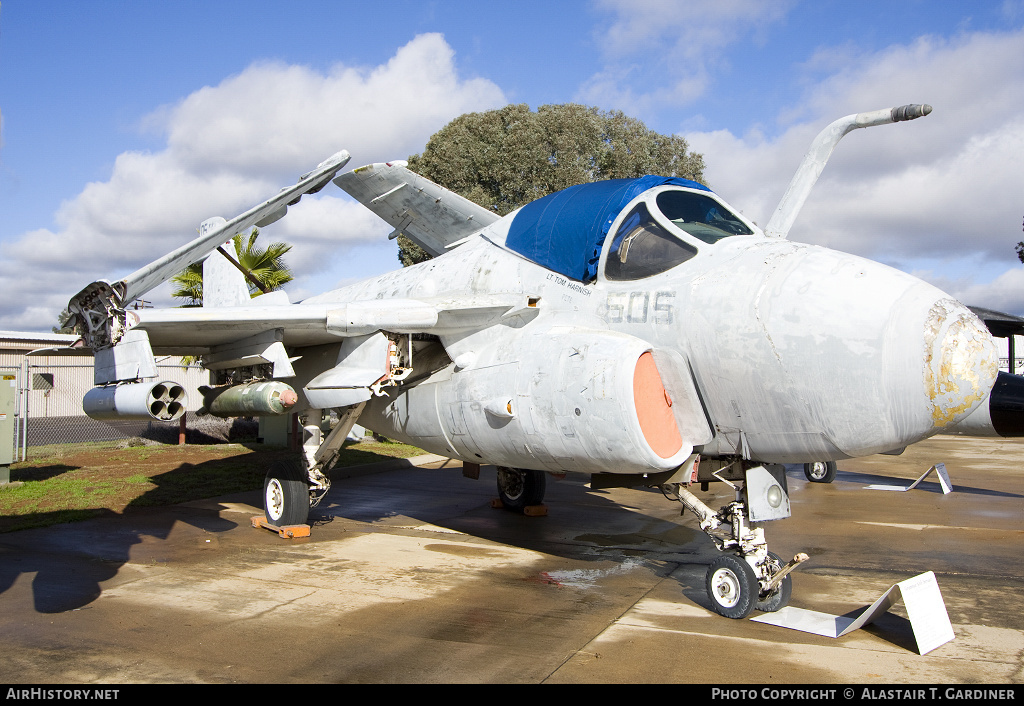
[999,288]
[687,29]
[948,186]
[273,116]
[318,228]
[673,43]
[230,146]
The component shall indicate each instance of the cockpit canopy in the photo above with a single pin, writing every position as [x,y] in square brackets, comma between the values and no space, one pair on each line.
[565,231]
[643,247]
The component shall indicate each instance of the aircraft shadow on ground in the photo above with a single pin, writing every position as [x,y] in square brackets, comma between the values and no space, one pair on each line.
[581,524]
[71,562]
[71,559]
[39,473]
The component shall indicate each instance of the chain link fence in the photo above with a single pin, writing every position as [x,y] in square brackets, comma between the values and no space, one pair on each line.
[53,390]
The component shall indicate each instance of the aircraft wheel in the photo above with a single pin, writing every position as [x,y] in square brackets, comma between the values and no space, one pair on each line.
[779,598]
[519,488]
[820,471]
[732,587]
[286,494]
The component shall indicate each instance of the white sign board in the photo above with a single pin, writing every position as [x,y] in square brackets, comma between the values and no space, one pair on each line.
[928,618]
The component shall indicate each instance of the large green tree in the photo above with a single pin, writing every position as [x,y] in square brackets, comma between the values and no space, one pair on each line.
[266,264]
[503,159]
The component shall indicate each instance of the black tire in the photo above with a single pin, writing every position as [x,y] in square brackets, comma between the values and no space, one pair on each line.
[519,488]
[779,598]
[821,471]
[732,587]
[286,494]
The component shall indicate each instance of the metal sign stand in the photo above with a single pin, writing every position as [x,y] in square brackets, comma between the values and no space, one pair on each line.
[940,471]
[929,620]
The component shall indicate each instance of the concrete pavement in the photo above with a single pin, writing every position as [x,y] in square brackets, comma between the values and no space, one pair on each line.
[411,576]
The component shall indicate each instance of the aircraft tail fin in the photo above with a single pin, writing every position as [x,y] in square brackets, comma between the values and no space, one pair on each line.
[223,283]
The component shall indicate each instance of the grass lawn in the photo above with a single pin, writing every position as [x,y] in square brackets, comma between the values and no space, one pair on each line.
[69,482]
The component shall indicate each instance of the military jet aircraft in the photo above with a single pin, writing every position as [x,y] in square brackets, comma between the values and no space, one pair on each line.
[641,331]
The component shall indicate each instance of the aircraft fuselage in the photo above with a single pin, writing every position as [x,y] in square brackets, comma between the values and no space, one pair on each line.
[797,353]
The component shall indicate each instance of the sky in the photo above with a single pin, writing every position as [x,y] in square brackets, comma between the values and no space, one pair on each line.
[123,125]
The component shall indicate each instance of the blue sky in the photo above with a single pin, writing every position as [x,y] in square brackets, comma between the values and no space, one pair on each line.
[125,124]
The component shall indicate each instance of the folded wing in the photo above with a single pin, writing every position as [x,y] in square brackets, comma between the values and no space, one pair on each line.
[99,308]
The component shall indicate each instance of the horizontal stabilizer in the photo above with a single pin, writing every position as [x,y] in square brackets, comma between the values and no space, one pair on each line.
[430,215]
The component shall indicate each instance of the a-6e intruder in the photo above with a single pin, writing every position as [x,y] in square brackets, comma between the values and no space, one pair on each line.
[638,330]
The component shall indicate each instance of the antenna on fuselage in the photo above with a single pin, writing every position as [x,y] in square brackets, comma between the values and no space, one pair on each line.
[821,149]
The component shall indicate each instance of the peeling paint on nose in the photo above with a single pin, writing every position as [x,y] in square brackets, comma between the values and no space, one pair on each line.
[961,362]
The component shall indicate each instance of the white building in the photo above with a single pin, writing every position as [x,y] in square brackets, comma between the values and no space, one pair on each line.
[52,386]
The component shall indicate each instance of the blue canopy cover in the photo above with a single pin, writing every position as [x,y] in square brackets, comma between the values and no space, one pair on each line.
[565,231]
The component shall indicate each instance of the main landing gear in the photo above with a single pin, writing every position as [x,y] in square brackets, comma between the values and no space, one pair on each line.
[821,471]
[747,576]
[286,494]
[291,488]
[520,488]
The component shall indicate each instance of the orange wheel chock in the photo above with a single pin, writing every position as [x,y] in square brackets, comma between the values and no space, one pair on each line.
[529,510]
[286,531]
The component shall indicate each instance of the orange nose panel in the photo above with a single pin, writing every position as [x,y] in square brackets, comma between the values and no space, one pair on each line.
[653,409]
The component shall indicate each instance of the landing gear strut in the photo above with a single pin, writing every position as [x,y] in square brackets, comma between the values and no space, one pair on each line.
[291,488]
[747,575]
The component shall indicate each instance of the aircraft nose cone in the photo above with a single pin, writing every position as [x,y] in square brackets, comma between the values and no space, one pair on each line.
[960,364]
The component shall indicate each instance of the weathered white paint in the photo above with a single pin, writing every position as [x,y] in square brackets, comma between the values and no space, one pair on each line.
[770,350]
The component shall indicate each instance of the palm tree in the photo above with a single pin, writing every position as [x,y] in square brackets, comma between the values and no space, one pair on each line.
[266,265]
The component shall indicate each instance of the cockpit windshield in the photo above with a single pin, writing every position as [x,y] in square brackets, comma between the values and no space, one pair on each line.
[642,248]
[700,216]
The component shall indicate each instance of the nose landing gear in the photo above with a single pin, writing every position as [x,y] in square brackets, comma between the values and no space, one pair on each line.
[732,586]
[747,576]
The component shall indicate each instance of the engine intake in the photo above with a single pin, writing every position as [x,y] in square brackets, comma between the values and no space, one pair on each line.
[594,403]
